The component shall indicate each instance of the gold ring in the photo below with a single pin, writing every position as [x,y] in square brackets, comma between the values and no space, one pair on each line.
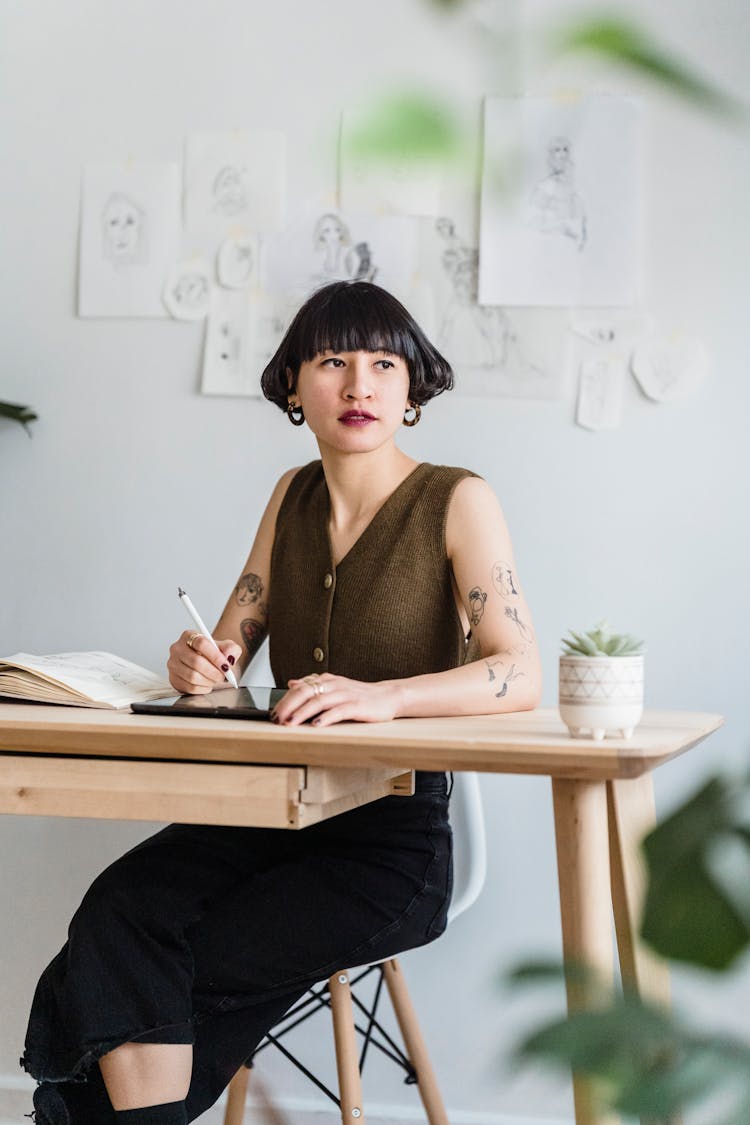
[192,638]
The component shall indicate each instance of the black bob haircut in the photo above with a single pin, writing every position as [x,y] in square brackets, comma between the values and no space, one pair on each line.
[353,316]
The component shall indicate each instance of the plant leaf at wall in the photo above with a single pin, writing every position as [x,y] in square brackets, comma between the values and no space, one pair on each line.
[418,126]
[22,414]
[622,42]
[644,1060]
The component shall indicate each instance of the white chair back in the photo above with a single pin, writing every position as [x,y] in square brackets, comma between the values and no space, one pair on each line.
[469,843]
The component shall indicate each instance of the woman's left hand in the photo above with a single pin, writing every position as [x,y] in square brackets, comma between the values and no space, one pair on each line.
[325,699]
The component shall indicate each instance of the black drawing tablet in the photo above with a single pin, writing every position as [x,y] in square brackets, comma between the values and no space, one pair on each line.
[223,703]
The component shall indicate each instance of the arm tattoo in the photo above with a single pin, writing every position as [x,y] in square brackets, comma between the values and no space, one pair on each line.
[512,675]
[252,634]
[477,598]
[523,629]
[505,677]
[248,590]
[502,577]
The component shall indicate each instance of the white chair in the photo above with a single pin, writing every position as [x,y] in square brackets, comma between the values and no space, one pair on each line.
[339,993]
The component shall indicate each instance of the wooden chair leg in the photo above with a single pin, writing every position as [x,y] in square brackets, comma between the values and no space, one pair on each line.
[236,1095]
[347,1063]
[414,1043]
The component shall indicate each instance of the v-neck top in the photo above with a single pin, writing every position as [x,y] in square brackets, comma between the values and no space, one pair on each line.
[386,610]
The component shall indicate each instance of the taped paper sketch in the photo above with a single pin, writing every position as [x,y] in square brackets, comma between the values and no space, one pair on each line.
[670,368]
[228,359]
[340,258]
[234,178]
[237,261]
[129,238]
[600,387]
[555,206]
[187,292]
[324,246]
[384,186]
[489,346]
[565,230]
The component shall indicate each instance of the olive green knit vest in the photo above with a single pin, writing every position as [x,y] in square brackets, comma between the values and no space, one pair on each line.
[387,610]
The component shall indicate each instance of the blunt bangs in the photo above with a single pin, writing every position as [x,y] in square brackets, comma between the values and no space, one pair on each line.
[352,316]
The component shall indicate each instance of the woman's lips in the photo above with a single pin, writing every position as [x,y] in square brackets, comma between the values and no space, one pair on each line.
[356,418]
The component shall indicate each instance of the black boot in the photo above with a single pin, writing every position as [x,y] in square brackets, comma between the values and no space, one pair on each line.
[49,1107]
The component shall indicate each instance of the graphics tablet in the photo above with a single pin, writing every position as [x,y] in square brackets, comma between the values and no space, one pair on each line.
[223,703]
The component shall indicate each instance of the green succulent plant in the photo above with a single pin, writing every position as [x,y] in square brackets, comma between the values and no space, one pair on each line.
[601,641]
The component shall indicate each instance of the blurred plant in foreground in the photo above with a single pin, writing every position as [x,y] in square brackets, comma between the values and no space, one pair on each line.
[642,1059]
[420,127]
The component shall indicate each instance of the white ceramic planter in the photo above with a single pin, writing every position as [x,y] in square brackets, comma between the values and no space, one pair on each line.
[601,695]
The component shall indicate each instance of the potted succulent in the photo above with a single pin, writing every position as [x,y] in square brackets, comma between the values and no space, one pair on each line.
[601,683]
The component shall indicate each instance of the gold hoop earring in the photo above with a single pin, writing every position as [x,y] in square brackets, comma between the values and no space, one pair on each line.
[416,415]
[295,414]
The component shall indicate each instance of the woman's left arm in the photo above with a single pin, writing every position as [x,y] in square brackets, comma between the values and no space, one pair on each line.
[506,677]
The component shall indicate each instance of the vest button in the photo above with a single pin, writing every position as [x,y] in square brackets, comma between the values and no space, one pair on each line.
[318,655]
[328,581]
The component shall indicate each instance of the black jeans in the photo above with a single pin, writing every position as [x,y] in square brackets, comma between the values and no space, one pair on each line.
[207,935]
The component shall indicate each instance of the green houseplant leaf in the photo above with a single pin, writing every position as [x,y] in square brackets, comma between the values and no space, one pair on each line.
[22,414]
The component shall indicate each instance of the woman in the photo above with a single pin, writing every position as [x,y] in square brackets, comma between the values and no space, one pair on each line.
[387,588]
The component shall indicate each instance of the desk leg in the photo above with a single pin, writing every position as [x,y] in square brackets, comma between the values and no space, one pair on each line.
[585,901]
[630,805]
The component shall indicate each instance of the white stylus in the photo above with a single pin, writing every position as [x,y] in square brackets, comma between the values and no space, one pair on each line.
[230,676]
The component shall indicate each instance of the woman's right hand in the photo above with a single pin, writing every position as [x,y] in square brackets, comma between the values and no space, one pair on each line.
[196,668]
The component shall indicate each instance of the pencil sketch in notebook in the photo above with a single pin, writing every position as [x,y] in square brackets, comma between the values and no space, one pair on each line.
[84,679]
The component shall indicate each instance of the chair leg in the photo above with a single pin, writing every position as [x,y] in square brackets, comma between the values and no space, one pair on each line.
[414,1043]
[236,1094]
[347,1066]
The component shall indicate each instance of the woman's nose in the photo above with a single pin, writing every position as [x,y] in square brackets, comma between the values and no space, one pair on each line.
[359,382]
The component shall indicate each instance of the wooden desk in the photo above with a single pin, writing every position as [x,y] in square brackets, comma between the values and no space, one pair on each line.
[74,762]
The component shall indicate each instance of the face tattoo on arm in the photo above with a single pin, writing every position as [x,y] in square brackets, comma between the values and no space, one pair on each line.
[249,590]
[477,598]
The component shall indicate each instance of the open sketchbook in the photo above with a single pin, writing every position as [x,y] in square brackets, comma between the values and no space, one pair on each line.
[79,679]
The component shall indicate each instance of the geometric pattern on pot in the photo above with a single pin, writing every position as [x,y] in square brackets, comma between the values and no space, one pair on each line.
[601,680]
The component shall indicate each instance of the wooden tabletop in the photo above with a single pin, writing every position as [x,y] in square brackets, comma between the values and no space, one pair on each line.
[531,742]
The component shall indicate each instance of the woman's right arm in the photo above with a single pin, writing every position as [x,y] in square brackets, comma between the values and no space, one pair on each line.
[243,624]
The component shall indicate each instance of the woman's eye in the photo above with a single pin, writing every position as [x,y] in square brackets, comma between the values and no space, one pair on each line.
[334,361]
[384,364]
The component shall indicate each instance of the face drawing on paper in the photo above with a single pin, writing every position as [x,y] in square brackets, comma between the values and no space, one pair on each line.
[341,260]
[123,230]
[229,191]
[555,205]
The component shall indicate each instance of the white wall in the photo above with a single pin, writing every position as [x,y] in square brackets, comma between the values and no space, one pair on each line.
[133,482]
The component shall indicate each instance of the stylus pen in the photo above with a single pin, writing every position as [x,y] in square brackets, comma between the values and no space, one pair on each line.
[229,675]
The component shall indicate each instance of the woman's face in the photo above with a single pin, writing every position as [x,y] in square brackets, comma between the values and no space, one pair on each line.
[353,401]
